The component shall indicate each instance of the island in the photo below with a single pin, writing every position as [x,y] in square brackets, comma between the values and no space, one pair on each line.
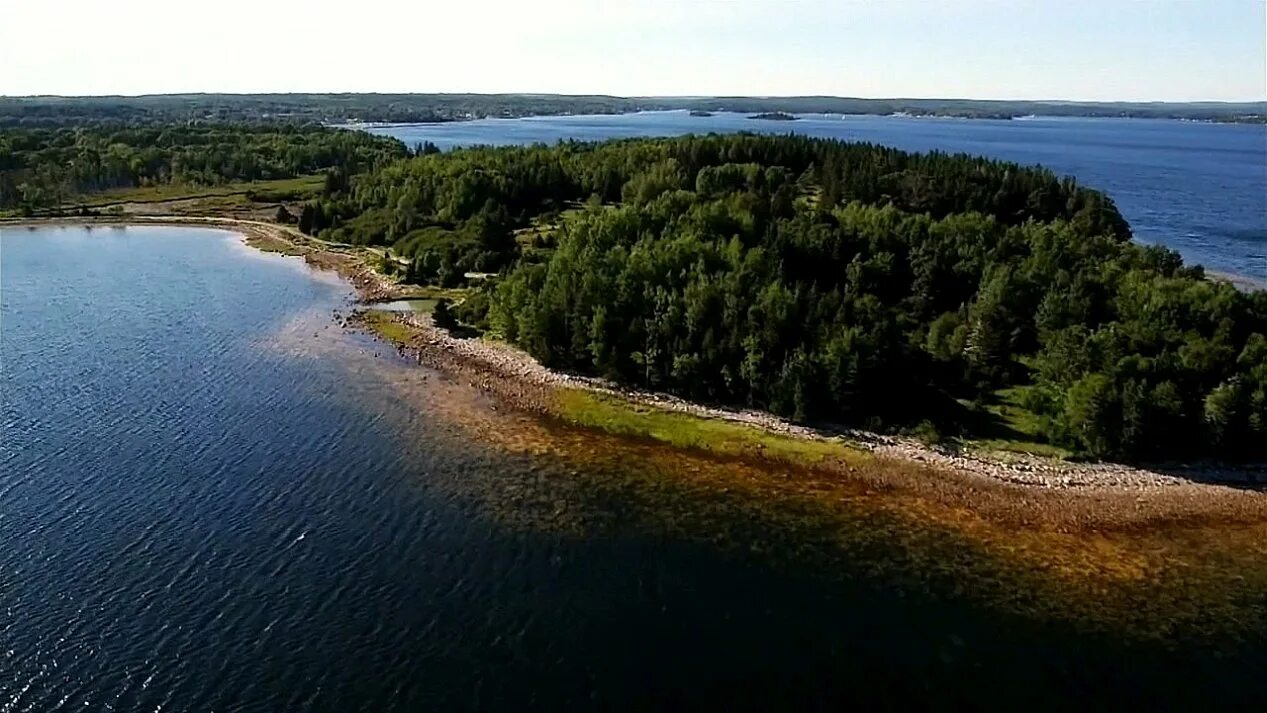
[774,116]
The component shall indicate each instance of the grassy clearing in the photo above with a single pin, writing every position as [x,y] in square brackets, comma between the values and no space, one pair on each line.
[542,228]
[384,324]
[1015,428]
[537,233]
[303,186]
[681,430]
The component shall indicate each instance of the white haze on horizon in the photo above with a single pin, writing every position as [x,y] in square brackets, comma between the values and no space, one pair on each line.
[1176,50]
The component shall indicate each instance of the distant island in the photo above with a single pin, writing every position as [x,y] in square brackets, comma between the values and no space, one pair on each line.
[959,114]
[773,116]
[340,109]
[1241,119]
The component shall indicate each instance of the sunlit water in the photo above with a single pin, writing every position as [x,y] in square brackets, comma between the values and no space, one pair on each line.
[213,499]
[1198,188]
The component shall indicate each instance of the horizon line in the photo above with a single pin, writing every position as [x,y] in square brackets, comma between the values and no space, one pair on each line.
[1262,100]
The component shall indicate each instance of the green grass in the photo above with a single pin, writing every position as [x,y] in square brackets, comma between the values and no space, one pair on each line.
[384,324]
[682,430]
[1015,428]
[540,227]
[306,185]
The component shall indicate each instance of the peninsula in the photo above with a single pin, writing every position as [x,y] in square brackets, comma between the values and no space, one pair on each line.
[949,298]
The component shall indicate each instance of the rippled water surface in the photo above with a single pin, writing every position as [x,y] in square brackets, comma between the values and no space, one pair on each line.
[1198,188]
[213,499]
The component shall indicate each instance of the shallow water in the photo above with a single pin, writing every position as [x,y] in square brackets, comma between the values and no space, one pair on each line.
[1198,188]
[211,498]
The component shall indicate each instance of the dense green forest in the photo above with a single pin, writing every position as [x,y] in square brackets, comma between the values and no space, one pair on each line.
[344,108]
[830,282]
[44,168]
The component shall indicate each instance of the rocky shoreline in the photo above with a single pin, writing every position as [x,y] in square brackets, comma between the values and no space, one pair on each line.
[515,377]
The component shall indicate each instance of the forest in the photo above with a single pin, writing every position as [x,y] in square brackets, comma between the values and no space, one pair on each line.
[829,282]
[46,168]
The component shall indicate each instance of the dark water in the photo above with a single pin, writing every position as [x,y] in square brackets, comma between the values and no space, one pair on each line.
[1198,188]
[211,499]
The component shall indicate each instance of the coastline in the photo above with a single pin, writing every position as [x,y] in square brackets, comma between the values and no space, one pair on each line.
[513,376]
[886,111]
[1246,283]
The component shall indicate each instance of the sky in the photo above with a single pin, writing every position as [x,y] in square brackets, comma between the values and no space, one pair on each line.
[1173,50]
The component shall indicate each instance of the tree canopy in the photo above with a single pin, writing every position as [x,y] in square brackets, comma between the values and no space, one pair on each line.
[832,281]
[822,280]
[42,168]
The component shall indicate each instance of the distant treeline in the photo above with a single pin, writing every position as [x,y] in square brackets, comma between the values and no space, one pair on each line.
[830,281]
[406,108]
[43,168]
[984,108]
[294,108]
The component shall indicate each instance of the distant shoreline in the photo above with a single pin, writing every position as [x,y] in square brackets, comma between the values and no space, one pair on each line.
[371,108]
[791,116]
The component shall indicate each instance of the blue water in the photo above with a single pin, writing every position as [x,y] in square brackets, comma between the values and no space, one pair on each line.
[1198,188]
[214,499]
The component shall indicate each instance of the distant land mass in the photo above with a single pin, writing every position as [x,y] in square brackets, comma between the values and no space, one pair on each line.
[774,116]
[420,108]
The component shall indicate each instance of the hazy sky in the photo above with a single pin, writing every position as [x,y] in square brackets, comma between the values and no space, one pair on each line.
[1064,49]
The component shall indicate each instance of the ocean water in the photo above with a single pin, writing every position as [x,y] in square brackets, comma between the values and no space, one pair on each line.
[1198,188]
[212,498]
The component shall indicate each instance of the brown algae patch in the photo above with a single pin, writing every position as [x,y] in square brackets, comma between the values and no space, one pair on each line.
[1161,579]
